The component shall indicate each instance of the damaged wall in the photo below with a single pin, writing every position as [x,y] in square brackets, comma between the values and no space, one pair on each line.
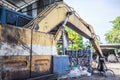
[15,53]
[17,41]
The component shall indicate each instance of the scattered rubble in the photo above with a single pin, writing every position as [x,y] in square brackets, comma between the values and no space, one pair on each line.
[115,67]
[76,72]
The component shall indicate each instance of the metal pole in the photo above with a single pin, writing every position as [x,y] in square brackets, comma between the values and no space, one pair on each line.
[63,32]
[31,53]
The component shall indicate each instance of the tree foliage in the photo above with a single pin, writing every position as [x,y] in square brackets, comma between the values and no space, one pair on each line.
[76,38]
[113,36]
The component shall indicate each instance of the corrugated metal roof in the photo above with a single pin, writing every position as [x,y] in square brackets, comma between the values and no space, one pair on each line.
[110,45]
[16,4]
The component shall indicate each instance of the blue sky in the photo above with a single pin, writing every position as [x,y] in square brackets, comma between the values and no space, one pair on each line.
[98,13]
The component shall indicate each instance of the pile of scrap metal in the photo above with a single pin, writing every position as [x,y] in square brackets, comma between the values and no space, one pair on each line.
[82,57]
[81,61]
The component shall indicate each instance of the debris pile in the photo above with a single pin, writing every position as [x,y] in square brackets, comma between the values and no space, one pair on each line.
[76,72]
[80,62]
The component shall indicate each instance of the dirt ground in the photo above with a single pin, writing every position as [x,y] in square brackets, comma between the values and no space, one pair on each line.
[115,67]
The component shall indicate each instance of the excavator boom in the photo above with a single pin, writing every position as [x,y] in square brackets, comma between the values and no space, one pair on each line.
[56,14]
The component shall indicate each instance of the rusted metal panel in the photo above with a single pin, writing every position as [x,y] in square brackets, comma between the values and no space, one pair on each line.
[41,65]
[10,32]
[14,67]
[18,41]
[18,67]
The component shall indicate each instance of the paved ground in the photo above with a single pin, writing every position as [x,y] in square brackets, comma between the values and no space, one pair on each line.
[115,67]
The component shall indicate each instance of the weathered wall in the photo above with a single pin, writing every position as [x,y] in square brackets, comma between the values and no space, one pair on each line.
[18,67]
[15,53]
[17,41]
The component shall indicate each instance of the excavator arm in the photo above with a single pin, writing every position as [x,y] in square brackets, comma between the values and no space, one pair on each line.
[56,14]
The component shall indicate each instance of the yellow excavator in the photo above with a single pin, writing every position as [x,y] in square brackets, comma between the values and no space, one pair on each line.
[30,51]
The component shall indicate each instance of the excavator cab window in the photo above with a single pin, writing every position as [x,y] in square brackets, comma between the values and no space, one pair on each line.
[11,18]
[22,21]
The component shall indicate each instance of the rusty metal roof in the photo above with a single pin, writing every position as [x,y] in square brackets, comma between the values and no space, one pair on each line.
[110,45]
[16,4]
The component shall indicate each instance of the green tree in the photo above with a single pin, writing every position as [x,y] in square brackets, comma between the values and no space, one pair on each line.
[113,36]
[76,38]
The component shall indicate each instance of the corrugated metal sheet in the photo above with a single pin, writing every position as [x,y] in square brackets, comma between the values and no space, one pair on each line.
[16,4]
